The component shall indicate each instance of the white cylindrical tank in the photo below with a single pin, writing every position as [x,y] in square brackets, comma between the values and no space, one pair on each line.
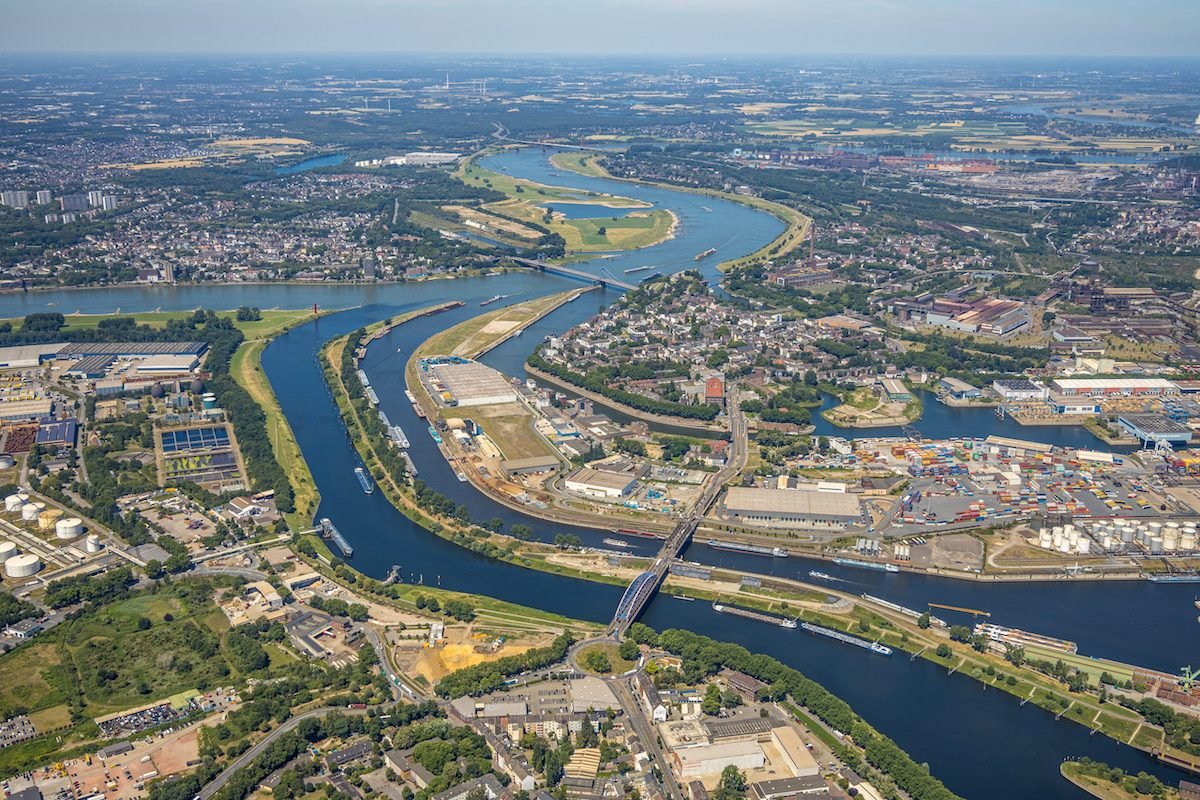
[30,511]
[13,503]
[1154,527]
[68,528]
[22,566]
[1156,545]
[1187,542]
[1083,547]
[1064,546]
[1056,531]
[1044,540]
[93,544]
[7,550]
[47,518]
[1170,542]
[1068,529]
[1127,534]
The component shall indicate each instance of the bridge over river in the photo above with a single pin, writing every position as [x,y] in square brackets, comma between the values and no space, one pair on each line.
[559,269]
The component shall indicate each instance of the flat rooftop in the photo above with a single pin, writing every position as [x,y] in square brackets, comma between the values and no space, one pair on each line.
[602,478]
[800,502]
[474,381]
[1154,423]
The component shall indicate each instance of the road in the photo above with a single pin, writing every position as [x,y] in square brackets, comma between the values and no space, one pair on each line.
[646,733]
[245,758]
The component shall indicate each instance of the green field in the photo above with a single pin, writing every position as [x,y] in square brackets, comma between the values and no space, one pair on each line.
[621,233]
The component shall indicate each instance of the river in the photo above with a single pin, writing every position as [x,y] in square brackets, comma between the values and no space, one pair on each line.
[968,735]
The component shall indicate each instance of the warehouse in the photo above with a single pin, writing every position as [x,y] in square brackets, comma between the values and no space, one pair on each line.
[57,431]
[472,384]
[25,409]
[895,391]
[1154,428]
[792,508]
[1098,387]
[710,759]
[27,355]
[600,483]
[529,466]
[167,364]
[77,350]
[1018,389]
[959,390]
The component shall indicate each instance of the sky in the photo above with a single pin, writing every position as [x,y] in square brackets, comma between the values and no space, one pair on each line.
[607,27]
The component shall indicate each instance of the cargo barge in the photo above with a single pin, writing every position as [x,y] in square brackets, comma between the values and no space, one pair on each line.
[437,437]
[1176,577]
[399,437]
[750,549]
[412,398]
[364,480]
[706,254]
[770,619]
[615,542]
[493,299]
[335,536]
[1018,637]
[875,565]
[874,647]
[639,269]
[408,462]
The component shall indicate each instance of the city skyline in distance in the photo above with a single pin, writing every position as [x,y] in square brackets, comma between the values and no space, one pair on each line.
[612,27]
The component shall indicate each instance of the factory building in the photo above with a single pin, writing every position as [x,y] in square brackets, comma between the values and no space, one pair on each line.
[710,759]
[529,466]
[18,410]
[792,508]
[1105,387]
[600,483]
[1019,389]
[27,355]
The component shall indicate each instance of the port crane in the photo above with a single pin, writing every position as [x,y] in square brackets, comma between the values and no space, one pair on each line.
[1187,677]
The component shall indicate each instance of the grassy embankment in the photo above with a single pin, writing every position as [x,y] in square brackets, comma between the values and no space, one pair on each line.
[790,239]
[639,228]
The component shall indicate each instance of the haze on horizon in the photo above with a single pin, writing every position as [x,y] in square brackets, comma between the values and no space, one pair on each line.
[607,27]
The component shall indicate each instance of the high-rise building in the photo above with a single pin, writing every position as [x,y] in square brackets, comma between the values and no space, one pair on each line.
[15,199]
[44,197]
[95,197]
[73,202]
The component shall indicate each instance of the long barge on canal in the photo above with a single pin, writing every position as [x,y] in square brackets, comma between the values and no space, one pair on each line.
[757,616]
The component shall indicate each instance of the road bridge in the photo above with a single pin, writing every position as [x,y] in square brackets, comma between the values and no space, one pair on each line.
[640,591]
[559,269]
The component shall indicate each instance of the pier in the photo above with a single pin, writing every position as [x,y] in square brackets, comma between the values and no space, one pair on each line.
[334,535]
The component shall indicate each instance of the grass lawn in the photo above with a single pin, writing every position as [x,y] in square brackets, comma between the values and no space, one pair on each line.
[50,719]
[618,664]
[28,679]
[481,333]
[272,322]
[639,229]
[513,432]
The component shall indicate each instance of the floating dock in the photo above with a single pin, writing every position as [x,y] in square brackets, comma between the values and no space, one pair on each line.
[335,536]
[750,549]
[878,566]
[770,619]
[874,647]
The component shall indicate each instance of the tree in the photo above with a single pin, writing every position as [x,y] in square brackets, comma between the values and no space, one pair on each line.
[629,650]
[597,661]
[923,621]
[943,650]
[711,704]
[732,785]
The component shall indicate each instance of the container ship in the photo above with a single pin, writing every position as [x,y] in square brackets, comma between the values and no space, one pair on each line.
[364,480]
[754,550]
[875,565]
[631,532]
[874,647]
[770,619]
[336,537]
[706,254]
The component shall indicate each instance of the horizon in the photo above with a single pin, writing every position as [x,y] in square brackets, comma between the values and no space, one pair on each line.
[613,28]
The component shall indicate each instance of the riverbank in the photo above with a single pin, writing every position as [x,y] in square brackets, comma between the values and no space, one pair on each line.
[796,224]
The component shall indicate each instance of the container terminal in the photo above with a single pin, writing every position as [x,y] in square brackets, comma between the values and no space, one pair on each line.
[770,619]
[334,535]
[874,647]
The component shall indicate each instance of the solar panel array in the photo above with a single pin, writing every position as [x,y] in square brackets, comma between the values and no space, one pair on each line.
[194,439]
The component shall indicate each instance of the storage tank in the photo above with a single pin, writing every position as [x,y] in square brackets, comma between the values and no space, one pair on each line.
[7,550]
[30,511]
[1156,545]
[1170,542]
[1187,542]
[208,400]
[93,544]
[68,528]
[13,503]
[47,518]
[1064,546]
[1045,540]
[1084,547]
[1127,534]
[22,566]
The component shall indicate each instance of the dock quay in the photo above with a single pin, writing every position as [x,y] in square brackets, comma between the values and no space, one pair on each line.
[754,615]
[874,647]
[333,534]
[908,612]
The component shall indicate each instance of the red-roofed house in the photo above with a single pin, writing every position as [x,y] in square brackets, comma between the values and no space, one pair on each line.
[714,392]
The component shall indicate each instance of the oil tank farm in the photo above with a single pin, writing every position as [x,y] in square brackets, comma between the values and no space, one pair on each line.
[93,544]
[68,528]
[7,551]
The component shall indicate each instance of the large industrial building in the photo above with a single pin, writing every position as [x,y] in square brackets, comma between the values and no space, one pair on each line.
[1096,387]
[1019,389]
[710,759]
[460,382]
[1153,428]
[792,508]
[601,483]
